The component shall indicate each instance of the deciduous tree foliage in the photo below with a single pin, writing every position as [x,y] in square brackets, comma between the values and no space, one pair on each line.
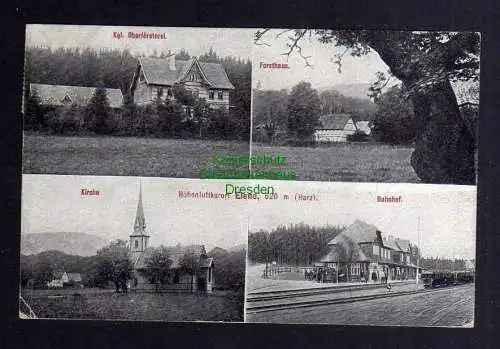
[424,62]
[115,264]
[394,120]
[303,110]
[157,266]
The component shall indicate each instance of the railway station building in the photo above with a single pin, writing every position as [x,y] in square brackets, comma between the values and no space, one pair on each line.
[361,252]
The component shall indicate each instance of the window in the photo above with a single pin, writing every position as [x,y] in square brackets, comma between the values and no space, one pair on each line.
[169,92]
[159,94]
[136,244]
[209,274]
[355,269]
[211,94]
[220,95]
[375,250]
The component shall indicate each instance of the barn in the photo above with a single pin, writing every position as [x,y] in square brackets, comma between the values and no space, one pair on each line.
[61,95]
[334,128]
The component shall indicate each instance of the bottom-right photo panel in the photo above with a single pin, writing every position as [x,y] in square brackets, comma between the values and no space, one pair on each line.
[362,254]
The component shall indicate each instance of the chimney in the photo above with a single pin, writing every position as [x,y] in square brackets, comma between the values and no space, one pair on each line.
[171,62]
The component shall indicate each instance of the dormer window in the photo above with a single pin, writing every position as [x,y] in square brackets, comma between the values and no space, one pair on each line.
[66,99]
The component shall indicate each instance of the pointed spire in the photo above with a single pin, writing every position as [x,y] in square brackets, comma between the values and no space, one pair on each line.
[140,221]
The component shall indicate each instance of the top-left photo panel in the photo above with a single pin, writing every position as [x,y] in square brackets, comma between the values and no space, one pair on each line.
[135,101]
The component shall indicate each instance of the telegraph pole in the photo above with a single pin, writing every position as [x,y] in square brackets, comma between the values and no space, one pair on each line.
[418,247]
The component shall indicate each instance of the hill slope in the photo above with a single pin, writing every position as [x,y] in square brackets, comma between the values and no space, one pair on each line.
[78,244]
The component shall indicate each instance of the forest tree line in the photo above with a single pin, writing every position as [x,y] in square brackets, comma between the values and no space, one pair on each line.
[283,116]
[184,117]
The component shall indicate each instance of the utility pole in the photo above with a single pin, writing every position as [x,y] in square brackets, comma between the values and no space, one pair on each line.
[418,247]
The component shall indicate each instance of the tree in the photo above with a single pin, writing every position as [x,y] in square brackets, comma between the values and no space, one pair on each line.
[34,116]
[98,112]
[394,118]
[157,266]
[270,111]
[115,264]
[303,110]
[190,264]
[425,63]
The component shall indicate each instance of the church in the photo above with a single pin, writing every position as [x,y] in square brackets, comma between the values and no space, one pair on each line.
[200,279]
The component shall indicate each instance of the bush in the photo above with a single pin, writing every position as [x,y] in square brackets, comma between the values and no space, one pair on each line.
[358,136]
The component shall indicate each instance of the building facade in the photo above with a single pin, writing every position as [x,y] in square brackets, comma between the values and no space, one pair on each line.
[156,78]
[199,279]
[361,252]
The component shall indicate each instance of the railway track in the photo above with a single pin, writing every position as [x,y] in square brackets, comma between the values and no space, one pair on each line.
[254,305]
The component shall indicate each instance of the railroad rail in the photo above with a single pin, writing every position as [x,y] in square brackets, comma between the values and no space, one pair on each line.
[258,308]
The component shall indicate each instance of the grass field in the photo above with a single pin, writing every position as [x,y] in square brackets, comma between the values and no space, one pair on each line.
[129,156]
[350,162]
[123,156]
[99,305]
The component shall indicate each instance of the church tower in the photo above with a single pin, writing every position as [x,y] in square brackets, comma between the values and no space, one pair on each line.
[139,239]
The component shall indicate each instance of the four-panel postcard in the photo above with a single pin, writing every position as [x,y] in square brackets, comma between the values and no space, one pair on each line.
[284,176]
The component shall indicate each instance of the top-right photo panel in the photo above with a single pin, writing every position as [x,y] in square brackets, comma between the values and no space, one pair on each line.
[366,106]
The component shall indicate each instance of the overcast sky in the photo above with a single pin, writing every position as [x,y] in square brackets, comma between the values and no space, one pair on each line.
[52,203]
[197,41]
[447,213]
[323,72]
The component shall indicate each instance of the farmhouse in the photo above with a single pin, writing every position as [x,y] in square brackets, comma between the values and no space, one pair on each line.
[334,128]
[61,279]
[59,95]
[200,278]
[156,77]
[361,252]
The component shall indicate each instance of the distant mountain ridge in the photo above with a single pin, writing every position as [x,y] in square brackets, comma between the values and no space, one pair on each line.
[350,90]
[77,244]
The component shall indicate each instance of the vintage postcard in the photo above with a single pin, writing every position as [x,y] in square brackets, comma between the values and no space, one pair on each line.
[128,248]
[368,105]
[261,175]
[134,101]
[363,254]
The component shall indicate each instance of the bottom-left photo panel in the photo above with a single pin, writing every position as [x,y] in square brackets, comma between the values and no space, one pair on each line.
[130,248]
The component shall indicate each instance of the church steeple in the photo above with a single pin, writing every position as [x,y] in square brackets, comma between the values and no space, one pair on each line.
[139,238]
[140,221]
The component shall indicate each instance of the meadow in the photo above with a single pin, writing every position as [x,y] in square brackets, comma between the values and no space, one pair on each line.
[130,156]
[106,305]
[349,162]
[123,156]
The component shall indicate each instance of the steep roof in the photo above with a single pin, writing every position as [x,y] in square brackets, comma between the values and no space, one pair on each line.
[76,277]
[176,254]
[57,95]
[334,121]
[389,242]
[349,249]
[404,245]
[358,232]
[157,71]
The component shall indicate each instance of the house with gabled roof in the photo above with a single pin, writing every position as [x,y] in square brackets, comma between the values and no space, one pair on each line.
[156,77]
[334,128]
[62,278]
[61,95]
[362,252]
[179,279]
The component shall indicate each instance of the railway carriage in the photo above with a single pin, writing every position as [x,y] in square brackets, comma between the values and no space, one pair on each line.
[433,279]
